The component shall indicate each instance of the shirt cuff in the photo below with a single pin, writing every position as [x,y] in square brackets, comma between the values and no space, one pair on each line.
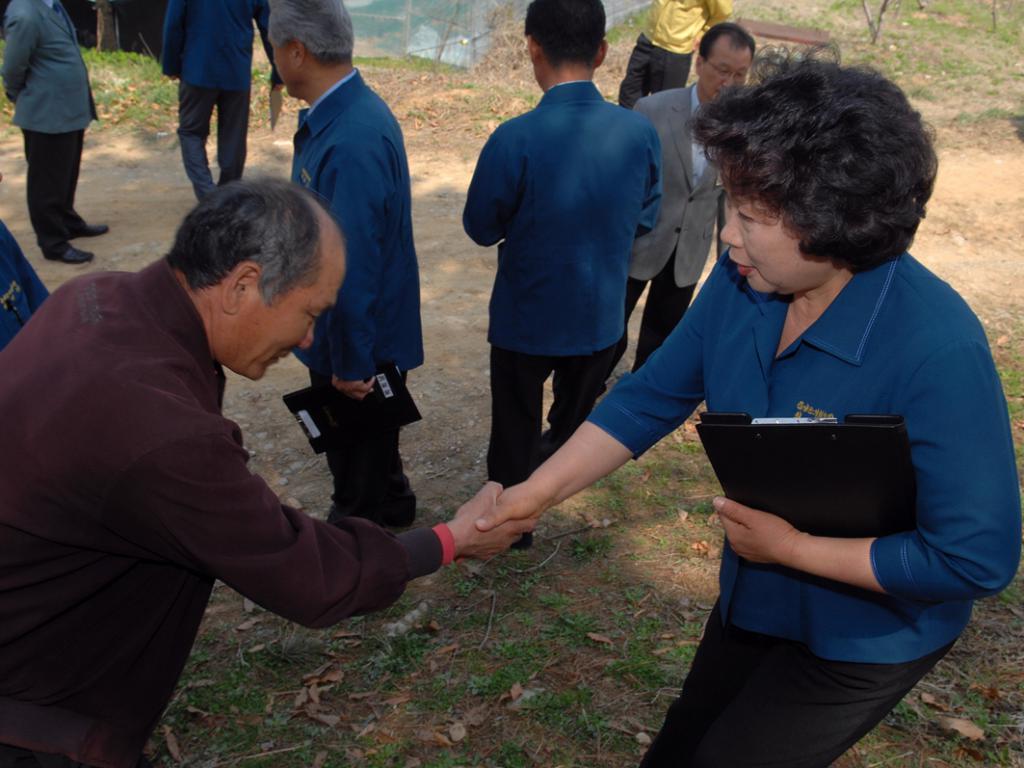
[423,547]
[444,533]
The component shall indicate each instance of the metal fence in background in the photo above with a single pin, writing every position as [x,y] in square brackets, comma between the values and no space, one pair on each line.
[454,32]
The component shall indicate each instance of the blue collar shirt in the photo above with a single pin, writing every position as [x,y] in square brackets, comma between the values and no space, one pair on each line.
[897,340]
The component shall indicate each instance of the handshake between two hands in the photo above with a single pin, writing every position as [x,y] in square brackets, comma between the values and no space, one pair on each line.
[493,520]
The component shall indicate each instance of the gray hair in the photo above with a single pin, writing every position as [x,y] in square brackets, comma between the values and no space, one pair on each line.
[323,26]
[271,222]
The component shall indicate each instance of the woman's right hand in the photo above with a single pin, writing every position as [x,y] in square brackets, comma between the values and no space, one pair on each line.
[517,503]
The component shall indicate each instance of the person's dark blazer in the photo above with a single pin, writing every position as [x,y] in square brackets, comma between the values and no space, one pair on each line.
[689,207]
[43,71]
[208,43]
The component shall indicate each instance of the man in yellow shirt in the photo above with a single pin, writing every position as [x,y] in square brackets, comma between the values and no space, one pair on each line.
[662,60]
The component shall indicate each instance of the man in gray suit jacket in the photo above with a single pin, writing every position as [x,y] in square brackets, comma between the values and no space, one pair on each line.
[45,77]
[671,256]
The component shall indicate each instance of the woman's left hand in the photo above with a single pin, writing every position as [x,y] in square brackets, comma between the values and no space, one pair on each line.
[757,536]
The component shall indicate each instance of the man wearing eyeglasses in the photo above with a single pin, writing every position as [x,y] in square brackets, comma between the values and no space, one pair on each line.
[671,256]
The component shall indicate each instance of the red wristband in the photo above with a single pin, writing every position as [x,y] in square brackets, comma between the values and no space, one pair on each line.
[444,533]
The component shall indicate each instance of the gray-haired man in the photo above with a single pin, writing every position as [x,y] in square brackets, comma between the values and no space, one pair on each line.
[126,493]
[349,150]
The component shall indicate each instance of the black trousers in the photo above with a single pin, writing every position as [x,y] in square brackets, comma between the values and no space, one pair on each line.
[517,446]
[665,307]
[754,700]
[369,481]
[652,69]
[16,757]
[54,160]
[195,108]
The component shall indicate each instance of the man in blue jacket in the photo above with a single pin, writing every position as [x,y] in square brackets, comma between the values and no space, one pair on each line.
[45,77]
[349,150]
[21,291]
[208,46]
[563,190]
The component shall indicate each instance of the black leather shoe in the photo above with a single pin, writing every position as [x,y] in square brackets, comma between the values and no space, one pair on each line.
[72,256]
[90,230]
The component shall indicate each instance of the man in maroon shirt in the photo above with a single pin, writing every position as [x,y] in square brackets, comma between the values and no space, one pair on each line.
[124,493]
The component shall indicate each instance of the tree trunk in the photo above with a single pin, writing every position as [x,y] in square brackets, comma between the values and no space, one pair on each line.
[106,37]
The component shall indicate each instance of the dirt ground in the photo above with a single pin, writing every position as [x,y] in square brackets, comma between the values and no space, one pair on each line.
[135,183]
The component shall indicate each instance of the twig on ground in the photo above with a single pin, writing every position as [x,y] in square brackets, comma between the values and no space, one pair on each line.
[539,565]
[490,620]
[569,533]
[257,755]
[890,759]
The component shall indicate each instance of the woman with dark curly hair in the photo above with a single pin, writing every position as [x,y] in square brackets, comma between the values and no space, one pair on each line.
[817,308]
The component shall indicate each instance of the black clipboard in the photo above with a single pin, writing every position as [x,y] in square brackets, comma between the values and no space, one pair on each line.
[851,479]
[330,418]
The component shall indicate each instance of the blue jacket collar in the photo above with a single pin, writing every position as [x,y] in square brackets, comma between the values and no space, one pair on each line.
[845,327]
[337,102]
[569,92]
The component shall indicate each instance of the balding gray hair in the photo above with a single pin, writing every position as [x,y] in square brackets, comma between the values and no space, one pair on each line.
[271,222]
[323,26]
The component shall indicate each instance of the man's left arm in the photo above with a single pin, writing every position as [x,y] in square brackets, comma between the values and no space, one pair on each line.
[358,181]
[22,37]
[174,38]
[35,291]
[261,13]
[495,190]
[652,198]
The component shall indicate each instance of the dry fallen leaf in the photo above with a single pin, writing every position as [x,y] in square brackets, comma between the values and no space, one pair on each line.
[963,750]
[600,638]
[370,728]
[515,691]
[477,715]
[964,727]
[402,698]
[328,720]
[247,624]
[334,676]
[314,693]
[172,744]
[441,740]
[931,701]
[990,692]
[320,759]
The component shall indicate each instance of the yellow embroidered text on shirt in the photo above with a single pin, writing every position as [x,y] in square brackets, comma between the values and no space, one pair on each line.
[806,409]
